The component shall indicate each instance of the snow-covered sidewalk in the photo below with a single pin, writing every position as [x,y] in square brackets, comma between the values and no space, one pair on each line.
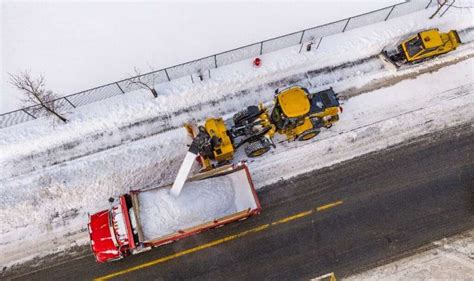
[450,259]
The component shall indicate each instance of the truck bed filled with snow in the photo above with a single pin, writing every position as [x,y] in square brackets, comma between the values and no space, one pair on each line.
[161,213]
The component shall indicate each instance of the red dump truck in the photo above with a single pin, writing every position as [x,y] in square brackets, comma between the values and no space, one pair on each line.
[143,219]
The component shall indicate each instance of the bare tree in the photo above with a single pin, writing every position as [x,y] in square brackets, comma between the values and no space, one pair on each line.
[138,80]
[35,93]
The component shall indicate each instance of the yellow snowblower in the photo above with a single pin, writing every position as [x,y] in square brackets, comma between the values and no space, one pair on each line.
[422,46]
[296,114]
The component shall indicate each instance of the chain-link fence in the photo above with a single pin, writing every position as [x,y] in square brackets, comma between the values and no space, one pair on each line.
[204,65]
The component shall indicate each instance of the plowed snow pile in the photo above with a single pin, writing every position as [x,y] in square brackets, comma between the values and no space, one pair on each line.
[199,202]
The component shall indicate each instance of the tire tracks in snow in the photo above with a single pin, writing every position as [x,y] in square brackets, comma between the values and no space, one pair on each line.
[317,78]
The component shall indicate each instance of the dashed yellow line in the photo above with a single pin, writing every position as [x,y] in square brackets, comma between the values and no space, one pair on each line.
[183,253]
[217,242]
[294,217]
[328,206]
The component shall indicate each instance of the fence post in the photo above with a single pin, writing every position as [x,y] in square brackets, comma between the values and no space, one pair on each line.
[320,39]
[449,6]
[301,48]
[429,3]
[215,60]
[69,102]
[261,48]
[167,75]
[389,13]
[24,110]
[309,80]
[123,92]
[441,5]
[345,26]
[302,34]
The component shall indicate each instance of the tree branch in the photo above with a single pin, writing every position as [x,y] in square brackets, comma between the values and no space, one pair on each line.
[35,92]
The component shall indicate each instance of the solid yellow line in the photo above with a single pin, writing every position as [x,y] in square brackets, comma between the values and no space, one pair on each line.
[328,206]
[186,252]
[294,217]
[216,242]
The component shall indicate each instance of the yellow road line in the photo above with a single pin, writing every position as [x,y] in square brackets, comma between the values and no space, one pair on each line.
[215,242]
[185,252]
[328,206]
[294,217]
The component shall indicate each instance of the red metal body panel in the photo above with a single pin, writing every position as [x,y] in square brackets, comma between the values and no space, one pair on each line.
[254,192]
[103,243]
[183,234]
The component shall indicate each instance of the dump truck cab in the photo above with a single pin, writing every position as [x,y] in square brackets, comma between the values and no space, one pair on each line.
[111,231]
[421,46]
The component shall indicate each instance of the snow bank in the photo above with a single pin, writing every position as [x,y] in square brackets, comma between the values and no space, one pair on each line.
[95,127]
[200,201]
[451,259]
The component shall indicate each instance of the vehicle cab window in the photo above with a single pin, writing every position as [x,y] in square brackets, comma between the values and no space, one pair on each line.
[414,46]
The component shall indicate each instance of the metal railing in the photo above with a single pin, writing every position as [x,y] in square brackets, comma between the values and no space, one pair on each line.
[206,64]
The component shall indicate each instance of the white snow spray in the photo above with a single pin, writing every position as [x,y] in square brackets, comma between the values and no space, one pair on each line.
[183,173]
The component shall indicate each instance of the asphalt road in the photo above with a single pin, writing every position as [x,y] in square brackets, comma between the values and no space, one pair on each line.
[394,202]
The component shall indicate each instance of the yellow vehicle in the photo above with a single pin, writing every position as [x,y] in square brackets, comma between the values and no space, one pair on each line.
[296,114]
[422,46]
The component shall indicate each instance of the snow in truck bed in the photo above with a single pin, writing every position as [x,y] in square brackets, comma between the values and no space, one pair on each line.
[161,213]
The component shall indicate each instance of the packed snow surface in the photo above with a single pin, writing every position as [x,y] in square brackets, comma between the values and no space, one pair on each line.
[161,213]
[450,259]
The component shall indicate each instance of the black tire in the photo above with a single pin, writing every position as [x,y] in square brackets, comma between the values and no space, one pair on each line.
[333,119]
[256,149]
[308,134]
[246,114]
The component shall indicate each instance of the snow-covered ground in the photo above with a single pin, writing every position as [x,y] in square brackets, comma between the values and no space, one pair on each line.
[450,259]
[93,128]
[82,44]
[52,176]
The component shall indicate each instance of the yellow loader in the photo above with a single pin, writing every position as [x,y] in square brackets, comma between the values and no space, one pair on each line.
[296,114]
[422,46]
